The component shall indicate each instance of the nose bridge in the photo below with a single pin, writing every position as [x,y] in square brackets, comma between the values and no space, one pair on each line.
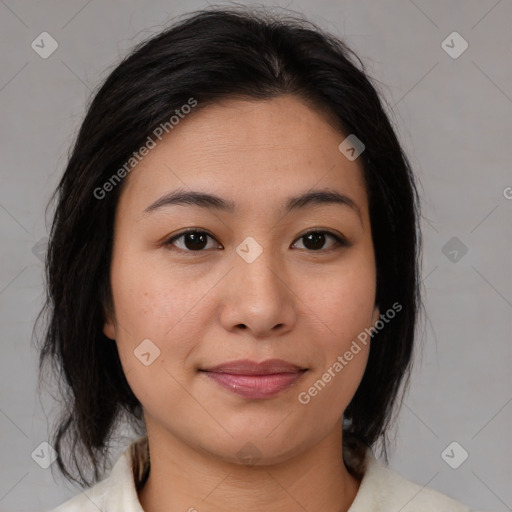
[259,274]
[257,296]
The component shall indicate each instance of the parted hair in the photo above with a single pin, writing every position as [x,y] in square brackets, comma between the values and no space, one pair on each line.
[211,55]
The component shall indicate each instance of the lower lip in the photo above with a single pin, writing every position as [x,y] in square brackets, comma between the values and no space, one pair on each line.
[255,386]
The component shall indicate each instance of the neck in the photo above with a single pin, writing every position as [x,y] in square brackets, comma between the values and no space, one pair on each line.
[182,478]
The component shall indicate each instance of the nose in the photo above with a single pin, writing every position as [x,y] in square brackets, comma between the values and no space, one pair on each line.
[258,299]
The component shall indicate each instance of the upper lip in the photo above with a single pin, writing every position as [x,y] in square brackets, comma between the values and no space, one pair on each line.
[247,367]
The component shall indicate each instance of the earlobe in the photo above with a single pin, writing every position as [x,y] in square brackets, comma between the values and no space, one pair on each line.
[109,329]
[376,315]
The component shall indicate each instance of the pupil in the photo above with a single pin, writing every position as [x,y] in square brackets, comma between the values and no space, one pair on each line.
[315,240]
[195,241]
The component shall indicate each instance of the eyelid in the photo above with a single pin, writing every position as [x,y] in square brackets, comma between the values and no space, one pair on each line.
[340,240]
[169,241]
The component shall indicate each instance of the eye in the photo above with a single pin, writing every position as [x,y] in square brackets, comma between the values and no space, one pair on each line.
[196,240]
[192,240]
[315,241]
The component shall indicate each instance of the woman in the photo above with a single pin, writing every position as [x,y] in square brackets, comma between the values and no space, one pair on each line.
[233,268]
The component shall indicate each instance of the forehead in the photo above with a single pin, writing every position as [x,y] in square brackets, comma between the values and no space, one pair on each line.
[252,152]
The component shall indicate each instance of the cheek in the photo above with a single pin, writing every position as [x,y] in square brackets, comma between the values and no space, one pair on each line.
[158,324]
[341,353]
[344,300]
[170,307]
[151,296]
[344,304]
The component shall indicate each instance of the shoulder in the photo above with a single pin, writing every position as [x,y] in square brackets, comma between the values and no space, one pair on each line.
[382,489]
[116,492]
[91,500]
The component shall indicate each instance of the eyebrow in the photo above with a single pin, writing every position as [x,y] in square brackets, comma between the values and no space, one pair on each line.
[210,201]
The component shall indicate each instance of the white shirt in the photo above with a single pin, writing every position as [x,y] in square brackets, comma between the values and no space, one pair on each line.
[381,490]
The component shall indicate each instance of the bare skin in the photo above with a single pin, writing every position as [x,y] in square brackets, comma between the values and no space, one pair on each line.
[301,301]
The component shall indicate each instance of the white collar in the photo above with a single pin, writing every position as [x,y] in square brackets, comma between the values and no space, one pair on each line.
[380,490]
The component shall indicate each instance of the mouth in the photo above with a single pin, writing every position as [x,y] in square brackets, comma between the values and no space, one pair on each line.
[253,380]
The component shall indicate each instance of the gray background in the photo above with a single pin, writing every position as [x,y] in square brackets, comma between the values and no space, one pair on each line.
[454,116]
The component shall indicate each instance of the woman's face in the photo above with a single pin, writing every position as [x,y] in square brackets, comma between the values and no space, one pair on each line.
[251,286]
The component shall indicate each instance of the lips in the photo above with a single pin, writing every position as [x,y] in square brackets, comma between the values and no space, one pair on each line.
[255,380]
[246,367]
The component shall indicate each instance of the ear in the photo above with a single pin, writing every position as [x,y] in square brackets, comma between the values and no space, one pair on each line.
[375,315]
[109,328]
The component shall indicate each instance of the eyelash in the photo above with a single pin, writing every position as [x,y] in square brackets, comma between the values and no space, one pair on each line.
[340,241]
